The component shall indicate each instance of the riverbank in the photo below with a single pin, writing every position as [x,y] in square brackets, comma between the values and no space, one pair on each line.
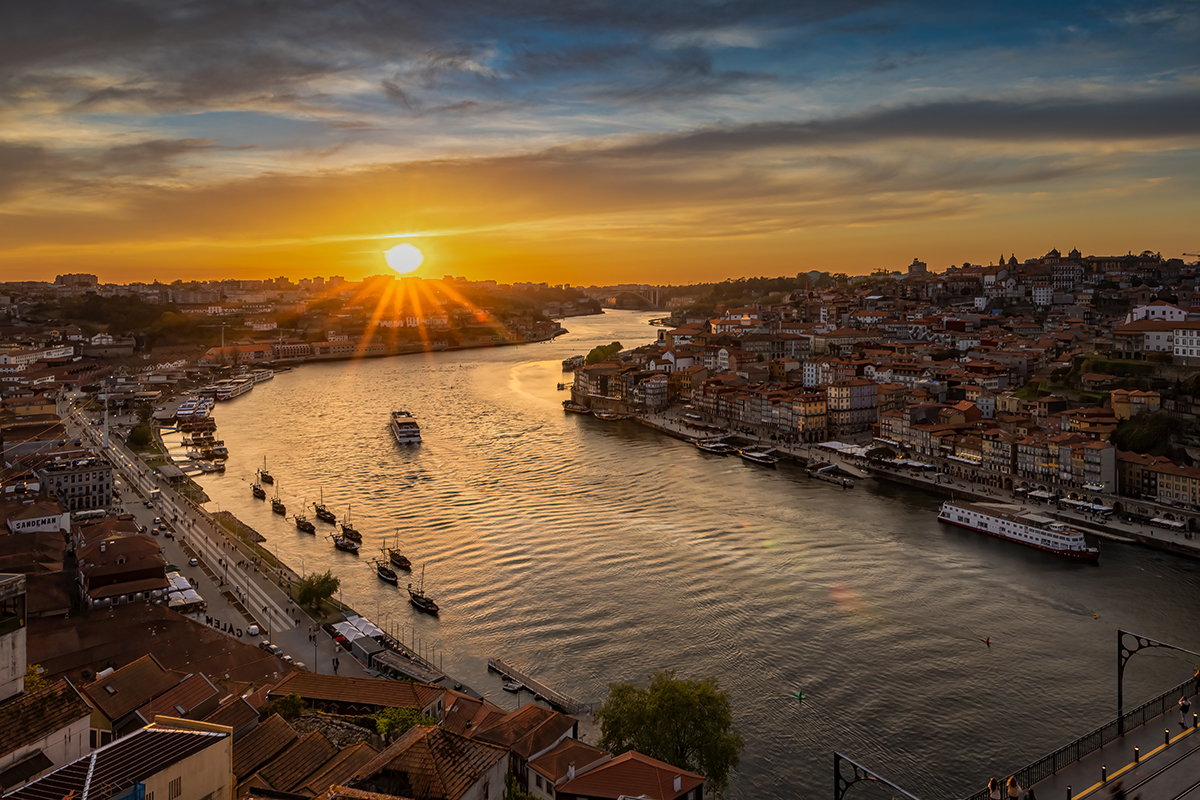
[1112,529]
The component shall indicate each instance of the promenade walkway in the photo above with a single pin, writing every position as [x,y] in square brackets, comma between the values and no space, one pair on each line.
[1156,758]
[1176,541]
[255,590]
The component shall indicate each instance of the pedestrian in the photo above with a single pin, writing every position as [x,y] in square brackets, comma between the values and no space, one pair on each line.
[1014,788]
[993,789]
[1029,795]
[1184,708]
[336,664]
[1118,791]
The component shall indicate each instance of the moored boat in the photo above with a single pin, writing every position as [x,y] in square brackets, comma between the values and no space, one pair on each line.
[611,415]
[513,686]
[715,448]
[405,428]
[323,513]
[348,530]
[304,524]
[419,599]
[397,558]
[758,458]
[233,387]
[258,491]
[263,475]
[277,505]
[1017,524]
[575,408]
[385,572]
[342,543]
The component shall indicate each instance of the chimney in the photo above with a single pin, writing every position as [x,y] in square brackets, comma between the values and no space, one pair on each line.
[571,771]
[678,783]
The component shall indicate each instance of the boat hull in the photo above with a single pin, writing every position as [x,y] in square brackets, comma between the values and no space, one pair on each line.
[1091,555]
[424,604]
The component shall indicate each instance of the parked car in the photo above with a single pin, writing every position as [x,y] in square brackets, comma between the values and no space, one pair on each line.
[158,520]
[252,630]
[147,504]
[193,562]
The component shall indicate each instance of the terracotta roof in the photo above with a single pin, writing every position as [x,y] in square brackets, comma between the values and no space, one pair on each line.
[554,764]
[302,757]
[632,774]
[344,793]
[236,713]
[338,769]
[430,762]
[192,693]
[260,745]
[358,691]
[529,730]
[465,714]
[70,646]
[130,687]
[28,717]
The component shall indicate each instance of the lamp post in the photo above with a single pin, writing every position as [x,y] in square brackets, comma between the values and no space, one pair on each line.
[1124,653]
[858,773]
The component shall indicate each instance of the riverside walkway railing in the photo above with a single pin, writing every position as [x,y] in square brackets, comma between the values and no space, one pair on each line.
[1092,741]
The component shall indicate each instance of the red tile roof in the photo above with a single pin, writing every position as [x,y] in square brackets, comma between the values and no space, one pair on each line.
[430,762]
[377,692]
[632,774]
[260,745]
[130,687]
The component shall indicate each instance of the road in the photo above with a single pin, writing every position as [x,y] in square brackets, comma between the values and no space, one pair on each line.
[221,566]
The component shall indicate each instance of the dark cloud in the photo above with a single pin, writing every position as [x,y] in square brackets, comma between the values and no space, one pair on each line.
[1135,118]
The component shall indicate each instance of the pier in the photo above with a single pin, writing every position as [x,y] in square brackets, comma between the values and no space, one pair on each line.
[542,692]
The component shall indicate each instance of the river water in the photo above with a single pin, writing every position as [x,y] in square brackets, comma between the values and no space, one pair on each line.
[590,552]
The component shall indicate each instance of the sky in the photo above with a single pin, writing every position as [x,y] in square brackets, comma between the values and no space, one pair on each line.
[590,141]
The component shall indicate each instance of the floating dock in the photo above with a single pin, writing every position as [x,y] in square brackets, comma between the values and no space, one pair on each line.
[542,692]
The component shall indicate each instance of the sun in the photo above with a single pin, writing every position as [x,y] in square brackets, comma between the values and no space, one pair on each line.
[404,258]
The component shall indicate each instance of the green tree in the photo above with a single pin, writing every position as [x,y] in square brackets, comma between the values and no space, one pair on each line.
[512,791]
[34,678]
[317,588]
[392,723]
[686,723]
[602,353]
[139,437]
[289,707]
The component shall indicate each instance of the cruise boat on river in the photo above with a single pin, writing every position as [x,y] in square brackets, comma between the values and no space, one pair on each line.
[260,375]
[758,458]
[405,428]
[233,387]
[1017,524]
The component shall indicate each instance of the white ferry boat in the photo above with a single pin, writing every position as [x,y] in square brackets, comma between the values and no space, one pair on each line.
[233,387]
[260,375]
[405,428]
[1019,525]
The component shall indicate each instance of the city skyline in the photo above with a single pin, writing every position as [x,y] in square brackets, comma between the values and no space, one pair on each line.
[594,145]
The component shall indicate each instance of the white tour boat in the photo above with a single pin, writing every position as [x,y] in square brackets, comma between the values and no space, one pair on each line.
[405,428]
[1018,524]
[233,387]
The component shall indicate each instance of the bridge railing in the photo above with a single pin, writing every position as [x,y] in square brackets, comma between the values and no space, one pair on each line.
[1092,741]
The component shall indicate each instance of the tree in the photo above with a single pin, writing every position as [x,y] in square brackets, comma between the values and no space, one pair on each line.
[289,707]
[140,437]
[513,791]
[686,723]
[392,723]
[602,352]
[34,678]
[317,588]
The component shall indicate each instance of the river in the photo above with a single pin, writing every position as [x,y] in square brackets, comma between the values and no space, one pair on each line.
[590,552]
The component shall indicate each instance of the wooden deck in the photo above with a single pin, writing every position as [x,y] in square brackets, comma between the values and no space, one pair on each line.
[542,692]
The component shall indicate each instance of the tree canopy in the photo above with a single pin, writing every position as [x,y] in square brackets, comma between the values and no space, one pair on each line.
[1149,434]
[686,723]
[602,352]
[317,588]
[391,723]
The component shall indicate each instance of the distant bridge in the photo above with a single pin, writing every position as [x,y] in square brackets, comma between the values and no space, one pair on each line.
[651,295]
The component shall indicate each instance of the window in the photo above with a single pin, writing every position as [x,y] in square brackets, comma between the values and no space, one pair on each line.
[175,788]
